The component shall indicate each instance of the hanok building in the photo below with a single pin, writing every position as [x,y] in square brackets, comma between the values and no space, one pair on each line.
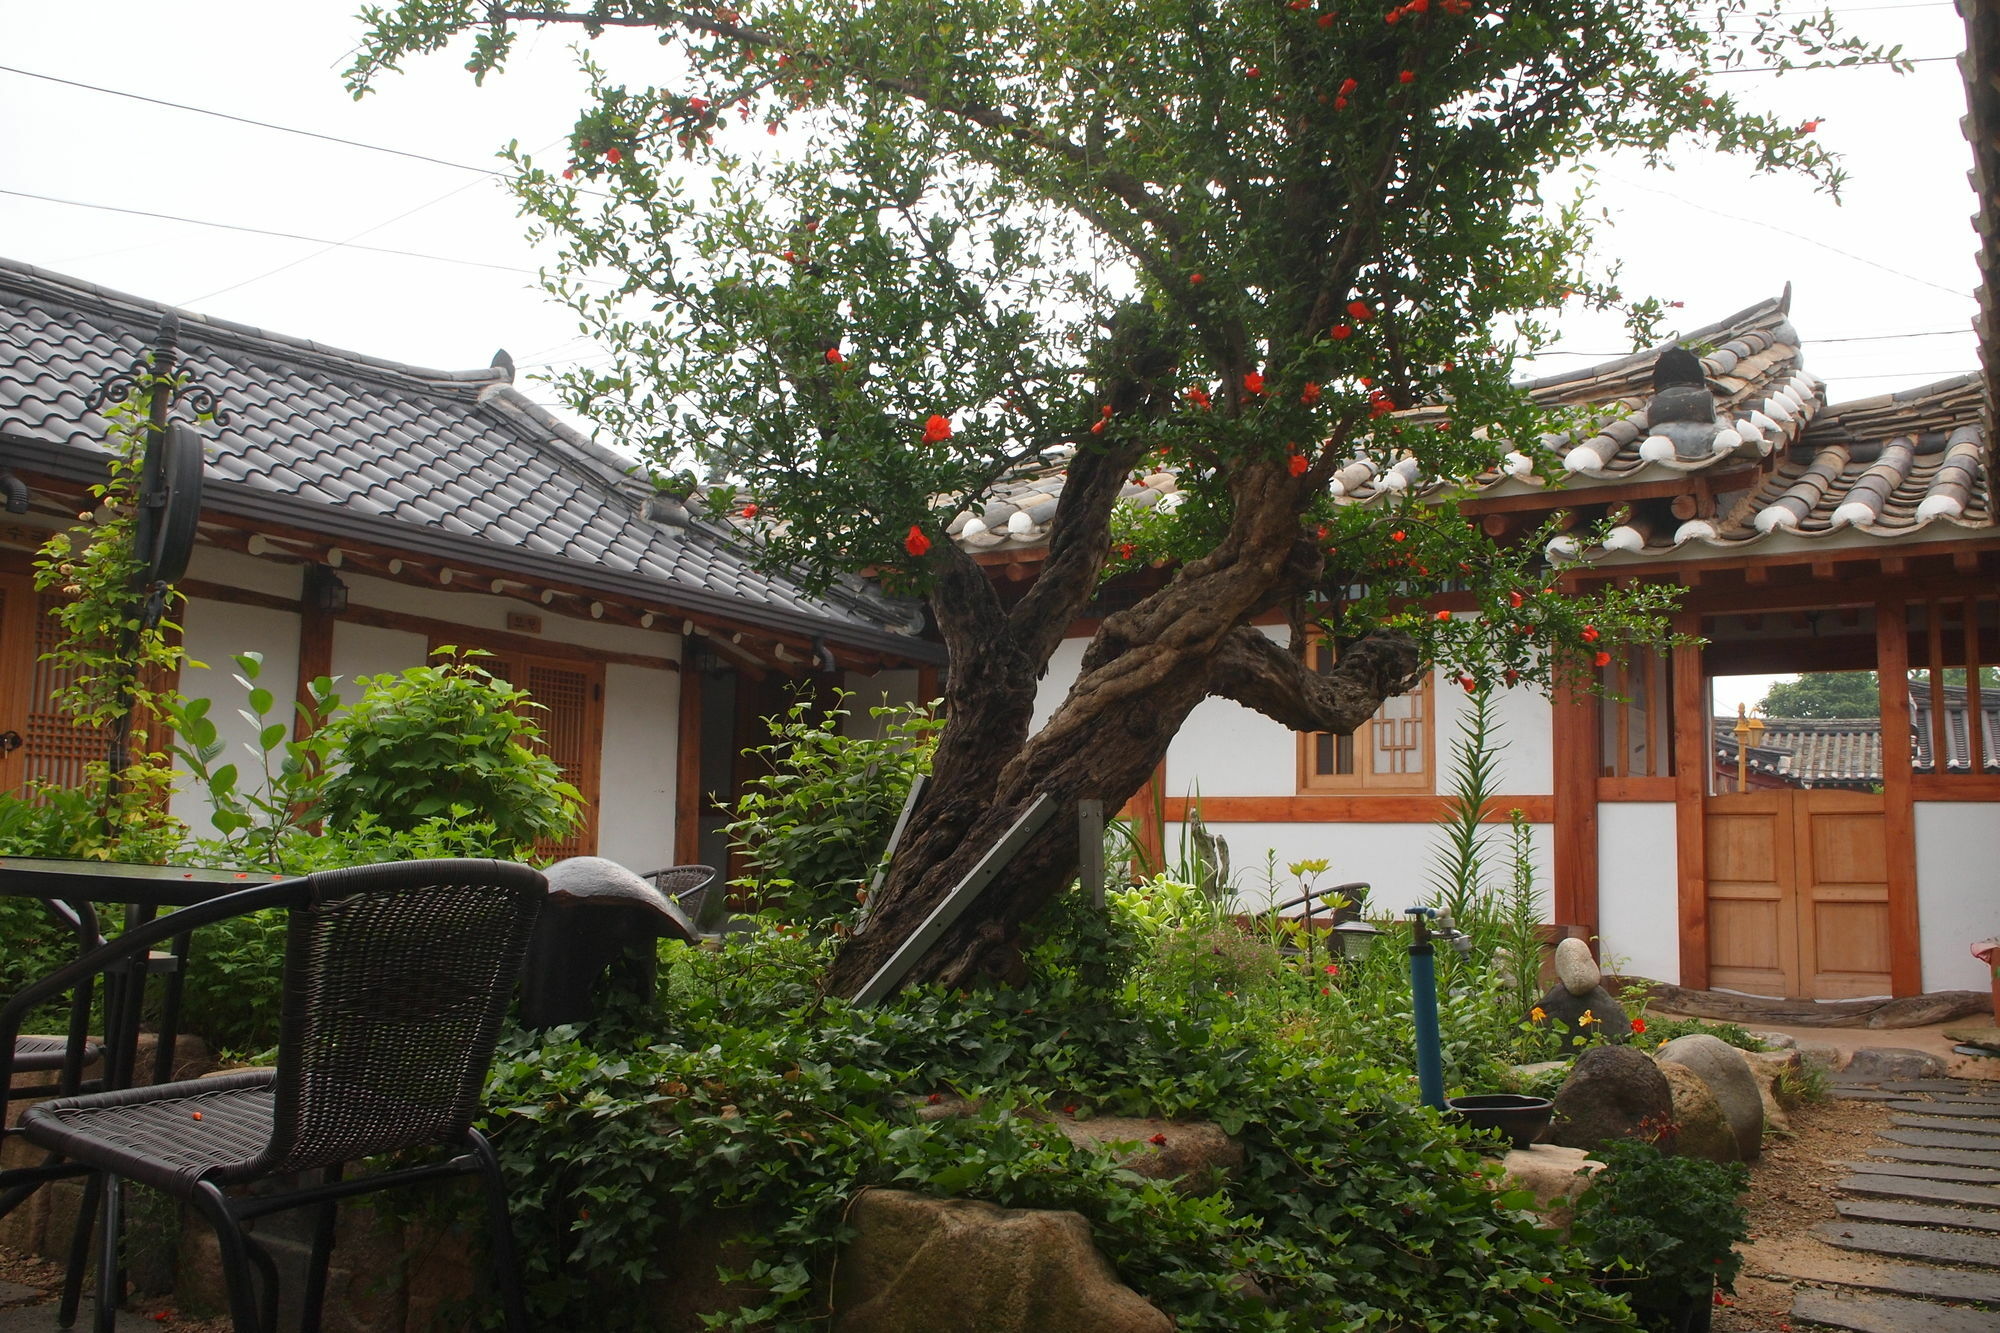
[357,514]
[1808,538]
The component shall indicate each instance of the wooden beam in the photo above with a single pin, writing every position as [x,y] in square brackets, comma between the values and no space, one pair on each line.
[1310,809]
[1691,764]
[1899,821]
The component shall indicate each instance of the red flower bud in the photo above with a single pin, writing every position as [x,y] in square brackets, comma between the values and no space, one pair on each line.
[915,542]
[613,156]
[1298,464]
[1195,279]
[1341,332]
[1253,383]
[937,429]
[1590,634]
[1360,311]
[1444,615]
[1513,599]
[1125,550]
[1407,76]
[1602,659]
[834,358]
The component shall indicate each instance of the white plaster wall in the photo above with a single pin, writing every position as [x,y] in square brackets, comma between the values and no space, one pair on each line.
[635,820]
[214,634]
[894,689]
[1958,890]
[1225,749]
[1064,664]
[367,650]
[277,577]
[1638,904]
[1396,859]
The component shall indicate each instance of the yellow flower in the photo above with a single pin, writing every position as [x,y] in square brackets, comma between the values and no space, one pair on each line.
[1538,1013]
[1587,1019]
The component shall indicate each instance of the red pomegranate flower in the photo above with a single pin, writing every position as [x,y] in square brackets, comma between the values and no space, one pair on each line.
[749,511]
[1309,394]
[834,358]
[1298,464]
[613,156]
[1602,659]
[1253,383]
[1590,634]
[1407,76]
[1361,311]
[1341,332]
[1157,1140]
[915,542]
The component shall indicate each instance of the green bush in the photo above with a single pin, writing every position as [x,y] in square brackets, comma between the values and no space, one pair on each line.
[747,1090]
[1663,1230]
[446,741]
[813,828]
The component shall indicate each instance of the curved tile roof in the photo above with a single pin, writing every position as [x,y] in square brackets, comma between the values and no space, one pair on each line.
[1739,400]
[458,453]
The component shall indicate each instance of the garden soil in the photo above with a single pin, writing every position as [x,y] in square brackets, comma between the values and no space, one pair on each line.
[1791,1192]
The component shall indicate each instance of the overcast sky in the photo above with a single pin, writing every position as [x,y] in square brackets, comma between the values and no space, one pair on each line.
[1882,280]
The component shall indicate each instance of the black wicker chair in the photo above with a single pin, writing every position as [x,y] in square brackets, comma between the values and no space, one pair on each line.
[396,979]
[695,890]
[66,1057]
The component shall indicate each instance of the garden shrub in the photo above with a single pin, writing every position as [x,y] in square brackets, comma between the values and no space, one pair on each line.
[813,828]
[447,740]
[1663,1229]
[747,1089]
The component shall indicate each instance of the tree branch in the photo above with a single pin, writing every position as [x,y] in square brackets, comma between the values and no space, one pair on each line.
[1261,674]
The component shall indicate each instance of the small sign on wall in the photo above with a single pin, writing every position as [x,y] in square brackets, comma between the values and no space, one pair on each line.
[524,622]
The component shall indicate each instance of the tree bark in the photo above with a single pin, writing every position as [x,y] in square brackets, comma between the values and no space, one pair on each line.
[1147,669]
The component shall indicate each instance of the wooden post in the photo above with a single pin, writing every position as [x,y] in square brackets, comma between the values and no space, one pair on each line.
[687,755]
[1576,745]
[1090,850]
[1691,766]
[315,646]
[1899,816]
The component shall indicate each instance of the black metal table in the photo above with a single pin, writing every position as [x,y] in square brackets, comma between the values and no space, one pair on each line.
[144,890]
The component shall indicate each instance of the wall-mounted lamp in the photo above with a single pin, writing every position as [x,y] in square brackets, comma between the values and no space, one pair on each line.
[324,591]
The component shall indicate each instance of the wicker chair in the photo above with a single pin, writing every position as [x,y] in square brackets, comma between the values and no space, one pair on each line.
[693,889]
[396,979]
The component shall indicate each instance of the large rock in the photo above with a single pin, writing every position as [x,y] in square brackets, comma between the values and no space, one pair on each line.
[1554,1175]
[1576,969]
[921,1265]
[1606,1015]
[1194,1154]
[1891,1062]
[1728,1076]
[1700,1128]
[1779,1075]
[1614,1092]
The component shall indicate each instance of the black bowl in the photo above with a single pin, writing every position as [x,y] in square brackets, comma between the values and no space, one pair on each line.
[1522,1119]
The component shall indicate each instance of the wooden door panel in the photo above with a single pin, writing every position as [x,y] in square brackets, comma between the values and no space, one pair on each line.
[1752,945]
[1843,893]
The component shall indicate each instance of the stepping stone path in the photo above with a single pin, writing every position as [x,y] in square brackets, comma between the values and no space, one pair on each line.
[1925,1210]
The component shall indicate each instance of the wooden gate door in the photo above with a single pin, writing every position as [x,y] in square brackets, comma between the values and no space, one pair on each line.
[1798,893]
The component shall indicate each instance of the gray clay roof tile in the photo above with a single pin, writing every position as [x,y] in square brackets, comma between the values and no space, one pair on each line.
[455,452]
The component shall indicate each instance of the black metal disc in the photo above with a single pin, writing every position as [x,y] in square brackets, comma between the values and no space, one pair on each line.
[174,523]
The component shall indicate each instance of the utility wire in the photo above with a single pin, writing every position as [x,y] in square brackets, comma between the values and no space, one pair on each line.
[1787,231]
[261,231]
[1813,342]
[246,120]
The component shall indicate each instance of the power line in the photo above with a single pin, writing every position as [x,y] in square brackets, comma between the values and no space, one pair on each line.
[1834,65]
[261,231]
[1813,342]
[1787,231]
[247,120]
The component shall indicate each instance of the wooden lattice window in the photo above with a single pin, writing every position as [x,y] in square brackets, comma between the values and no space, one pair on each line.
[571,718]
[53,749]
[1954,695]
[1391,752]
[1637,739]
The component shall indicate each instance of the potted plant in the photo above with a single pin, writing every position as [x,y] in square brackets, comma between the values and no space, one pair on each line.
[1662,1232]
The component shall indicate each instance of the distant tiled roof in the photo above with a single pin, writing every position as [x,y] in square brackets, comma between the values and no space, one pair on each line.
[1883,468]
[369,450]
[1847,752]
[1809,752]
